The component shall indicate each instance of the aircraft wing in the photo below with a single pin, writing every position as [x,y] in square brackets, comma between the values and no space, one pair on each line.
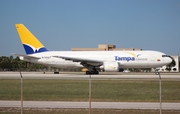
[83,61]
[26,56]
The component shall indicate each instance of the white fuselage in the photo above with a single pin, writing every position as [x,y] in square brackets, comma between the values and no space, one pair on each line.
[126,59]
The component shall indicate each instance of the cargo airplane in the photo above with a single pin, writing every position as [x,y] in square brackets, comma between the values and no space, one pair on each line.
[108,61]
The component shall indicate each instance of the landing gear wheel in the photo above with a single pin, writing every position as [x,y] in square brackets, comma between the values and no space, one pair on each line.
[87,72]
[96,72]
[157,72]
[92,72]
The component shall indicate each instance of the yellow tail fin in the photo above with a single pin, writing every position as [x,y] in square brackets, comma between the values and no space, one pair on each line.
[30,42]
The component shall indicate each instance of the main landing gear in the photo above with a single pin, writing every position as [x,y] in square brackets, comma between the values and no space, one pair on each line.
[92,72]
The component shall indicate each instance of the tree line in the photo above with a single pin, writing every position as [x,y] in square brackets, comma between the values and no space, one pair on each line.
[15,64]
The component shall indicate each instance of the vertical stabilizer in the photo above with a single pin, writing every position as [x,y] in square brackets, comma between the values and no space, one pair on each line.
[30,43]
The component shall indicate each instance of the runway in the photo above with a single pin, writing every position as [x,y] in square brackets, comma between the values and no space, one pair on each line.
[104,105]
[40,75]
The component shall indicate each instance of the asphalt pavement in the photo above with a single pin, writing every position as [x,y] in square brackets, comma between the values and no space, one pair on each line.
[104,105]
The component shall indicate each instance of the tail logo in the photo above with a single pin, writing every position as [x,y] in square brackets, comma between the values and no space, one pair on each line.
[30,49]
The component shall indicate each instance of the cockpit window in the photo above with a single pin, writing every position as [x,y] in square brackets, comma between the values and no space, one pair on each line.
[165,56]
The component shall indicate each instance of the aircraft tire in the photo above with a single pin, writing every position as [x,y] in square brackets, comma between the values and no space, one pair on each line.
[96,72]
[87,72]
[92,72]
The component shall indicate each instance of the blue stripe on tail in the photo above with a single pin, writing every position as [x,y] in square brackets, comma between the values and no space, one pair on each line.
[31,50]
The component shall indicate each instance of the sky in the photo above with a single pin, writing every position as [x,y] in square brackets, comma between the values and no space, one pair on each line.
[64,24]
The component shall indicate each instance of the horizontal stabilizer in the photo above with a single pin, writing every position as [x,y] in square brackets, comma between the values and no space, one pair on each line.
[26,56]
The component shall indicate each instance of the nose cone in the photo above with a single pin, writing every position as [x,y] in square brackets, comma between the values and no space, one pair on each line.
[168,60]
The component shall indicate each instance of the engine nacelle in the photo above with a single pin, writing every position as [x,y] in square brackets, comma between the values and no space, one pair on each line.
[111,66]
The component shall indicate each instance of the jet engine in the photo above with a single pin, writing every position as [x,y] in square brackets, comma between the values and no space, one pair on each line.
[111,66]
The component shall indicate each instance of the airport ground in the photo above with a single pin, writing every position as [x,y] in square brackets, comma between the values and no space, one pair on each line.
[83,111]
[81,75]
[117,88]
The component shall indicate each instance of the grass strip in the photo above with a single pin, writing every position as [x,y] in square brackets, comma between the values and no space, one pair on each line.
[102,90]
